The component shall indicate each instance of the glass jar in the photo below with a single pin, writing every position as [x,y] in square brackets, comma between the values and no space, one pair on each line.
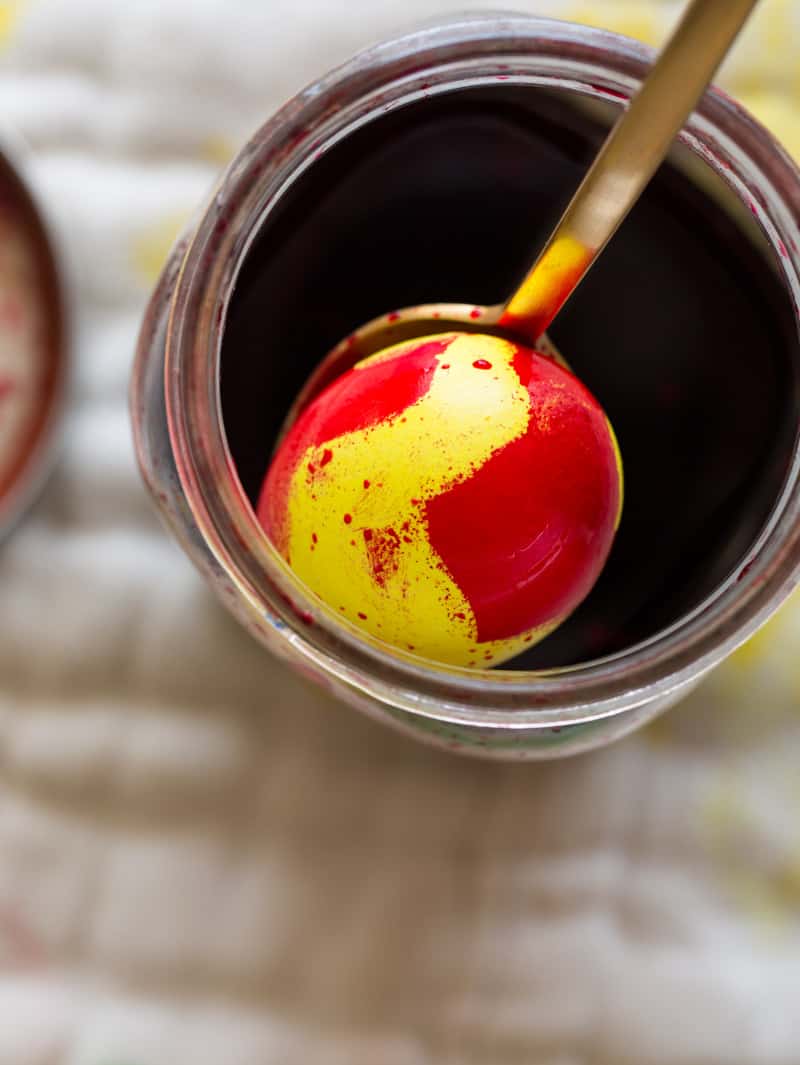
[187,465]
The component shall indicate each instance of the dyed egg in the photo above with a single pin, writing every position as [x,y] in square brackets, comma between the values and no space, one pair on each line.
[455,496]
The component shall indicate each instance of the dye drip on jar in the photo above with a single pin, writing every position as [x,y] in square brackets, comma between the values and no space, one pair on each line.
[682,330]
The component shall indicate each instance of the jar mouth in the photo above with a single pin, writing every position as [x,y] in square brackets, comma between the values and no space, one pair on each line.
[523,49]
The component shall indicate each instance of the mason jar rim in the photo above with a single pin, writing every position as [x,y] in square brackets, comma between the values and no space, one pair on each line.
[439,58]
[56,284]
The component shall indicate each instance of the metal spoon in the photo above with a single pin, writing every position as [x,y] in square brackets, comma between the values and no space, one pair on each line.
[635,148]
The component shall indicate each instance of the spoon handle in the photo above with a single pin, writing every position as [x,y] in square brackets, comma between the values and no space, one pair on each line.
[632,153]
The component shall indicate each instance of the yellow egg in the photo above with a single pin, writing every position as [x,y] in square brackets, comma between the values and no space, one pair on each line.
[455,495]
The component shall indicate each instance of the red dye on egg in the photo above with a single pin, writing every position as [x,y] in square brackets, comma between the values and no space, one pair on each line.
[347,519]
[366,484]
[526,535]
[327,455]
[382,547]
[482,364]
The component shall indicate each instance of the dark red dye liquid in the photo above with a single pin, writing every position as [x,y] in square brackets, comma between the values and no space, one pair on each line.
[683,331]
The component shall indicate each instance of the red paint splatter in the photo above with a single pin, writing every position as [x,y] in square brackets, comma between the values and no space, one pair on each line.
[327,455]
[476,312]
[393,317]
[362,616]
[415,502]
[347,519]
[526,535]
[358,399]
[613,93]
[382,547]
[482,364]
[745,570]
[445,365]
[366,484]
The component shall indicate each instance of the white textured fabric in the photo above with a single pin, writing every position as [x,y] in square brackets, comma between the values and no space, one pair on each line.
[205,861]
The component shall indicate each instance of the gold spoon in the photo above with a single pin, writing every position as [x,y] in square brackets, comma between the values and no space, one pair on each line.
[630,156]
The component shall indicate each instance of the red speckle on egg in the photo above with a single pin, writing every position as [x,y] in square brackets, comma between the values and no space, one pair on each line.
[347,519]
[460,616]
[314,537]
[327,455]
[482,364]
[476,312]
[364,400]
[393,317]
[362,616]
[382,551]
[415,502]
[366,484]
